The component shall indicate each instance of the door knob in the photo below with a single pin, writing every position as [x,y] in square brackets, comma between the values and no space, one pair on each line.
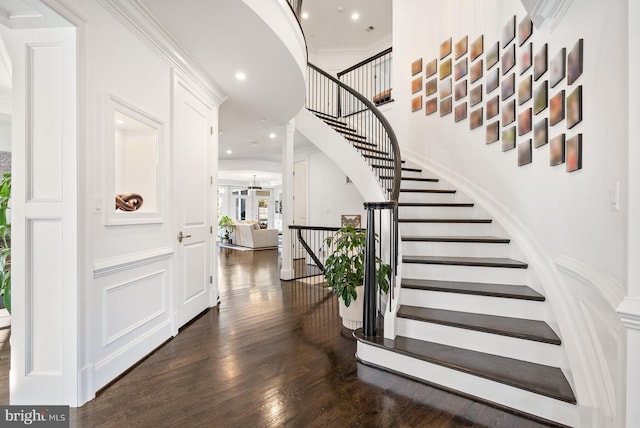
[181,236]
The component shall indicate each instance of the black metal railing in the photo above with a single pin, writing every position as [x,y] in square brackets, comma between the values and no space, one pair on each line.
[309,251]
[296,7]
[371,77]
[360,122]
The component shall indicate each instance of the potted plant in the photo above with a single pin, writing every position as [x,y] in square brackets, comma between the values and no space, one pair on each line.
[344,273]
[5,241]
[225,224]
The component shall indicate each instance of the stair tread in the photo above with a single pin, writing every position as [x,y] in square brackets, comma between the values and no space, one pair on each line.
[404,168]
[381,158]
[465,239]
[435,204]
[537,378]
[431,180]
[466,261]
[537,331]
[509,291]
[445,220]
[348,131]
[405,190]
[368,149]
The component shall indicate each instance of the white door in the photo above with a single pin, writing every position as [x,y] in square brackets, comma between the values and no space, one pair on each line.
[44,332]
[192,157]
[300,193]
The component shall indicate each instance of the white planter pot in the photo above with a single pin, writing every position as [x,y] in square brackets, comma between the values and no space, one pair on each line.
[352,316]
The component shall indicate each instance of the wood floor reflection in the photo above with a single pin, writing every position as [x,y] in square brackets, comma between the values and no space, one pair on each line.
[272,355]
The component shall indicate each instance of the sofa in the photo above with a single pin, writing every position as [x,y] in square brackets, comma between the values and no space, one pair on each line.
[250,235]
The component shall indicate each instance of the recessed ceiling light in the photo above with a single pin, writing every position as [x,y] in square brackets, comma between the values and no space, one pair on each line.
[305,15]
[120,122]
[229,152]
[240,75]
[272,135]
[355,16]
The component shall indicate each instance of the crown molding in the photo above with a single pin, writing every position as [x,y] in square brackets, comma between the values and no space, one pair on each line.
[134,16]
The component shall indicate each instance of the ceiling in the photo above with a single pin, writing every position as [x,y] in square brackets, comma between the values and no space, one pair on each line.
[227,36]
[329,25]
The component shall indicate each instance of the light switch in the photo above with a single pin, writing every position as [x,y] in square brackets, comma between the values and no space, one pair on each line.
[614,196]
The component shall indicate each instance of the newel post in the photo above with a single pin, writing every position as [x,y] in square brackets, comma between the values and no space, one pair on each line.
[369,321]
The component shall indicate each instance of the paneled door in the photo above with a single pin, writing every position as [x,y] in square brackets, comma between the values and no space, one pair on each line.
[192,156]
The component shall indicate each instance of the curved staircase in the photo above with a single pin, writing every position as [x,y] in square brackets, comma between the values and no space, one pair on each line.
[466,319]
[467,316]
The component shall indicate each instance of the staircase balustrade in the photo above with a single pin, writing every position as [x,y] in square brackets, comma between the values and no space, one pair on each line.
[362,125]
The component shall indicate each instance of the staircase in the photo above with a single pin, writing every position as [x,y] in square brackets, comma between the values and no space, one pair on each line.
[465,317]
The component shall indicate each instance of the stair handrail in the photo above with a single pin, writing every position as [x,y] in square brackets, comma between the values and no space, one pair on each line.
[373,298]
[397,166]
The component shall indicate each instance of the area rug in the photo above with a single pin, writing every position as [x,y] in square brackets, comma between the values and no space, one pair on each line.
[239,248]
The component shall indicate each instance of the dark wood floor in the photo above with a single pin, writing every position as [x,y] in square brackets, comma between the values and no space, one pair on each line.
[272,354]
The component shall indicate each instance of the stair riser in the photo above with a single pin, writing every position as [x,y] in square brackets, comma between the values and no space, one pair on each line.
[448,229]
[526,350]
[433,197]
[506,395]
[489,305]
[441,212]
[409,184]
[455,249]
[465,273]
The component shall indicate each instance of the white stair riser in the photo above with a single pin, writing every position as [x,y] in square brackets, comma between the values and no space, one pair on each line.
[449,229]
[465,273]
[441,212]
[433,197]
[462,249]
[413,184]
[515,308]
[516,398]
[526,350]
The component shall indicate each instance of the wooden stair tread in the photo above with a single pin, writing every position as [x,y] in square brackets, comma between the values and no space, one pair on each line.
[404,168]
[427,191]
[445,220]
[380,158]
[354,139]
[508,291]
[369,149]
[462,239]
[537,378]
[466,261]
[430,180]
[435,204]
[534,330]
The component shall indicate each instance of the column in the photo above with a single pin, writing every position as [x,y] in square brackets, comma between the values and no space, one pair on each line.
[286,271]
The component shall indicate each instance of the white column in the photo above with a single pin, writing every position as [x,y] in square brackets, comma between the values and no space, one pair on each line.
[287,202]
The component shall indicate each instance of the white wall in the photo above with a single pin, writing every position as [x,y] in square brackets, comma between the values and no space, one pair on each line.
[126,282]
[335,60]
[330,195]
[564,220]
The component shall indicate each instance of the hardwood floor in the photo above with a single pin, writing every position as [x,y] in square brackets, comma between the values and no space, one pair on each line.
[272,354]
